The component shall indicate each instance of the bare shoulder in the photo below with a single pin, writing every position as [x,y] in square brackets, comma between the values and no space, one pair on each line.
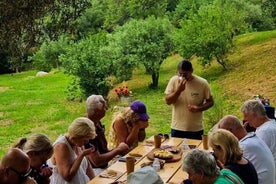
[119,122]
[61,149]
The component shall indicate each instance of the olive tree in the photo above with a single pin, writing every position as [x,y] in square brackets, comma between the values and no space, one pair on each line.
[85,61]
[147,42]
[209,33]
[118,12]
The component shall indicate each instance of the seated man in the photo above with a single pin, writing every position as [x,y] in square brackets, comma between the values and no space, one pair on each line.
[202,168]
[254,114]
[14,167]
[254,149]
[96,108]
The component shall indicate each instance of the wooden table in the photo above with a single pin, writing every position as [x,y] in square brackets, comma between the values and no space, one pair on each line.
[180,175]
[171,172]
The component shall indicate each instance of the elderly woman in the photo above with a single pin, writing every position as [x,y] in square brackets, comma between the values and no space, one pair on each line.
[129,125]
[230,156]
[68,161]
[202,169]
[39,149]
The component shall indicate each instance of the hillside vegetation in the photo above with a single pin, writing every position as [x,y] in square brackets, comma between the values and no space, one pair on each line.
[30,104]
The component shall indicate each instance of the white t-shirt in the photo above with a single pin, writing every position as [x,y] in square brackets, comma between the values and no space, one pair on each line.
[267,132]
[258,153]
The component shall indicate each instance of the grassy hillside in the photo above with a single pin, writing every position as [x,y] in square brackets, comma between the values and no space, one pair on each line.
[31,104]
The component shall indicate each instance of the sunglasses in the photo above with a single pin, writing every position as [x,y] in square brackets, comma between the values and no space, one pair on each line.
[22,176]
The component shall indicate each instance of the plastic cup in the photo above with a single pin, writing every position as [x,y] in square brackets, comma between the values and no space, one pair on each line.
[205,141]
[157,141]
[130,162]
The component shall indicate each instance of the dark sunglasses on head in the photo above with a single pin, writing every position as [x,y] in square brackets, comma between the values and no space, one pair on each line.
[22,176]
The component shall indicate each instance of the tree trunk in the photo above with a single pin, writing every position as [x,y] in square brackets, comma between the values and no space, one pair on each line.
[222,63]
[155,78]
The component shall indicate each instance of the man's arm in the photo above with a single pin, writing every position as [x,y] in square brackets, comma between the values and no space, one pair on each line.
[172,97]
[208,103]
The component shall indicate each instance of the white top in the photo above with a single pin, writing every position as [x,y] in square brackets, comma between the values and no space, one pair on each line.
[80,177]
[258,153]
[267,132]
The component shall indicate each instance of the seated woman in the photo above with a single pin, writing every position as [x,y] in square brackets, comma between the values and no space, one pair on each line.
[39,149]
[68,161]
[129,125]
[230,156]
[202,169]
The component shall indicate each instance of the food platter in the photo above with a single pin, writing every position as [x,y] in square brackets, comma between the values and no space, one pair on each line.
[166,153]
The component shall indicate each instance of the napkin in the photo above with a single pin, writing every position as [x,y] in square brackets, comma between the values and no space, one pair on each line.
[110,174]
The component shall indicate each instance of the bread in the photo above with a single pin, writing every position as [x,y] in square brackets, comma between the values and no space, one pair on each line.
[135,155]
[162,163]
[111,172]
[162,154]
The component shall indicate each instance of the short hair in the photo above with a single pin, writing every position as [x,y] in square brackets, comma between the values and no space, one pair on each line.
[36,143]
[222,139]
[82,127]
[254,107]
[198,161]
[94,102]
[15,158]
[185,65]
[230,122]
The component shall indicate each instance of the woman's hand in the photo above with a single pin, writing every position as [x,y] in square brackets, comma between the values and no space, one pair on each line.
[88,151]
[46,171]
[142,124]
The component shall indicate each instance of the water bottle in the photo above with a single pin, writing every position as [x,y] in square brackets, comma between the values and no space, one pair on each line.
[156,164]
[185,145]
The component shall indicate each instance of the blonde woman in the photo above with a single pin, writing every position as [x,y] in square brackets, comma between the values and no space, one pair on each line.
[39,149]
[230,156]
[129,125]
[69,163]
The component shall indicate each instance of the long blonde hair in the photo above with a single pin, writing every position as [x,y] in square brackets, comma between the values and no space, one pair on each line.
[224,140]
[128,115]
[35,143]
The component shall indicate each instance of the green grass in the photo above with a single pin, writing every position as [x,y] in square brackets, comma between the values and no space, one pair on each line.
[30,104]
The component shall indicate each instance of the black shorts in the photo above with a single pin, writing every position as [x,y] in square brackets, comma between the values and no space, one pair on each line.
[187,134]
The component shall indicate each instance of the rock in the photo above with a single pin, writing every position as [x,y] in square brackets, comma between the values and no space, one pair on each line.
[41,73]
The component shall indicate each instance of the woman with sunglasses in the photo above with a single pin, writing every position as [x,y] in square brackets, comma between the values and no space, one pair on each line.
[39,149]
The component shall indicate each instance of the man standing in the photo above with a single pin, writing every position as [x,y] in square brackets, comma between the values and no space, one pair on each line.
[254,149]
[255,115]
[190,95]
[14,167]
[96,108]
